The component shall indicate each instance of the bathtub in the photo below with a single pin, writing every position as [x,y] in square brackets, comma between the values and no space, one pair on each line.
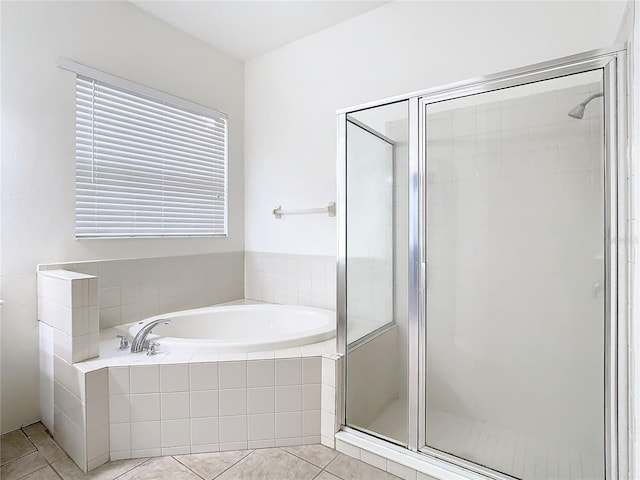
[240,328]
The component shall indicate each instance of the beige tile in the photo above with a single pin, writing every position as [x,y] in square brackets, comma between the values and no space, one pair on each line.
[14,445]
[70,471]
[327,476]
[22,466]
[349,468]
[209,465]
[160,468]
[37,427]
[46,473]
[47,447]
[319,455]
[270,464]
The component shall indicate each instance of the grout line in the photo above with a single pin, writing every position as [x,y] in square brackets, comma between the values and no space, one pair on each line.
[132,468]
[317,466]
[22,456]
[42,468]
[236,463]
[188,468]
[297,456]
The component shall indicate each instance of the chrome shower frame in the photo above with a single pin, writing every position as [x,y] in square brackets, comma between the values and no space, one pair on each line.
[612,62]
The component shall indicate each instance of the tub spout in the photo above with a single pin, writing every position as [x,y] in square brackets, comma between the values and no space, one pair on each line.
[137,345]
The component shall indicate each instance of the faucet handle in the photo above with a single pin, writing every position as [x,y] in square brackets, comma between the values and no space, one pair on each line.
[152,350]
[124,342]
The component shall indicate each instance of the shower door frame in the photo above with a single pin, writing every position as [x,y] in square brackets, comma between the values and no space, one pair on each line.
[612,62]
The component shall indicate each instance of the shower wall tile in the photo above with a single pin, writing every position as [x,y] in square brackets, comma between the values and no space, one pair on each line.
[134,289]
[291,279]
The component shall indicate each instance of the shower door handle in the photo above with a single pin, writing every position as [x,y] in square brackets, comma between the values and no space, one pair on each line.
[597,287]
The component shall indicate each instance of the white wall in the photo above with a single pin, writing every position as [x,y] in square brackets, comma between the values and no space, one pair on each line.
[38,123]
[292,93]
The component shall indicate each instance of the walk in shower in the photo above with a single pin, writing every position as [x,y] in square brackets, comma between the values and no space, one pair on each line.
[479,281]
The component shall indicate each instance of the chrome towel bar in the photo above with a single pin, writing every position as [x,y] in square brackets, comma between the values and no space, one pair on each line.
[329,209]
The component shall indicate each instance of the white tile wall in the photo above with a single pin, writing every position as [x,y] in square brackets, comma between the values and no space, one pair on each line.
[233,402]
[260,373]
[133,289]
[174,378]
[207,407]
[203,376]
[288,398]
[77,407]
[291,279]
[261,400]
[331,393]
[174,406]
[145,407]
[204,403]
[233,374]
[46,374]
[64,303]
[288,371]
[204,431]
[145,379]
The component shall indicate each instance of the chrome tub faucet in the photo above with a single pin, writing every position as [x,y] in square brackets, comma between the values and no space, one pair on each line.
[137,345]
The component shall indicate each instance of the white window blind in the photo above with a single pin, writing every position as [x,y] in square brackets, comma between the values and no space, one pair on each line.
[146,167]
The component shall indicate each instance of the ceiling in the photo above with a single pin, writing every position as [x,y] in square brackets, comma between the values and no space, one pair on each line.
[246,29]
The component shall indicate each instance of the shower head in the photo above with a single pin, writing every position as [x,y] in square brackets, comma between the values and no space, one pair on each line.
[578,111]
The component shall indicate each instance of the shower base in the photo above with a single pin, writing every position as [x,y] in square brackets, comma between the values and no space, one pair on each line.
[500,449]
[509,451]
[391,422]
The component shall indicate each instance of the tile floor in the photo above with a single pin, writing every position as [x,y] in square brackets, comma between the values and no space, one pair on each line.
[31,454]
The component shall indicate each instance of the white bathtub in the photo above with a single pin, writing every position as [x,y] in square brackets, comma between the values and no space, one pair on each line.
[240,328]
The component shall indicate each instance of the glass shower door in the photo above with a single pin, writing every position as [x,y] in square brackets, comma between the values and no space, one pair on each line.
[515,306]
[376,271]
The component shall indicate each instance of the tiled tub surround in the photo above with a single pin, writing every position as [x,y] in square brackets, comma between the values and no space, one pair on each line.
[176,404]
[122,405]
[291,279]
[125,405]
[69,333]
[133,289]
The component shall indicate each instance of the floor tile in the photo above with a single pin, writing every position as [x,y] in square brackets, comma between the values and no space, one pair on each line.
[349,468]
[319,455]
[14,445]
[46,473]
[209,465]
[37,427]
[326,476]
[22,466]
[47,447]
[160,468]
[70,471]
[270,464]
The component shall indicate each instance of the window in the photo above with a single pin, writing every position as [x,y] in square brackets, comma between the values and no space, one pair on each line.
[147,164]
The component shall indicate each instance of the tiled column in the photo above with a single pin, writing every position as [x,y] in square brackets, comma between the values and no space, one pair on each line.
[68,302]
[68,312]
[331,402]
